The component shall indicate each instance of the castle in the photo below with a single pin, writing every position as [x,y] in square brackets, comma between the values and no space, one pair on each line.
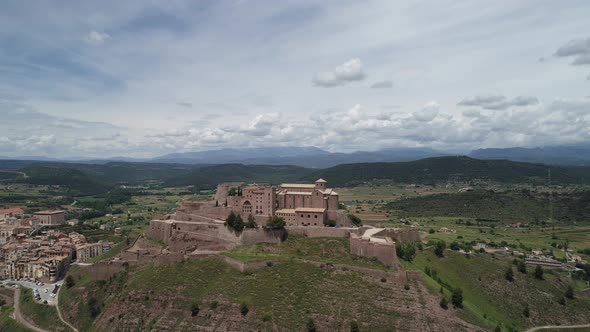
[298,204]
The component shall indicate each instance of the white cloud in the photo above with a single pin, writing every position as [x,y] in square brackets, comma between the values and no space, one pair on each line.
[350,71]
[387,84]
[97,38]
[498,102]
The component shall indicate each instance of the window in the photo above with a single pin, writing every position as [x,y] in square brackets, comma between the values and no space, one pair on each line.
[315,216]
[308,216]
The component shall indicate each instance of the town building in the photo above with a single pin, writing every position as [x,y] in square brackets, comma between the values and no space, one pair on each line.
[50,217]
[11,213]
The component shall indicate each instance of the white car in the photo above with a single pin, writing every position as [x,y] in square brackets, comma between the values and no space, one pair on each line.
[46,290]
[52,294]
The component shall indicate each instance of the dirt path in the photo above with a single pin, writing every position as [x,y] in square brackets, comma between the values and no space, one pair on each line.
[19,317]
[546,327]
[59,312]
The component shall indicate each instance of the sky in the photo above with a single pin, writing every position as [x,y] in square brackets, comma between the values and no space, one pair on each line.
[144,78]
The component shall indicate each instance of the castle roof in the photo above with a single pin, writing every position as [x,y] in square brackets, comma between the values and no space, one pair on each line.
[297,185]
[321,181]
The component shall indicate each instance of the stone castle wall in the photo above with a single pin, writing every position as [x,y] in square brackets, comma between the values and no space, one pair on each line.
[321,231]
[384,252]
[401,235]
[184,236]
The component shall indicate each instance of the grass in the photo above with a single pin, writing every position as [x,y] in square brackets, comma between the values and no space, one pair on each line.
[492,300]
[9,324]
[44,316]
[328,250]
[288,292]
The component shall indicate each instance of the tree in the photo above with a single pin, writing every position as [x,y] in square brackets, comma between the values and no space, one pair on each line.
[355,220]
[238,224]
[275,222]
[455,246]
[93,307]
[569,292]
[439,248]
[70,282]
[539,272]
[561,300]
[354,326]
[521,267]
[310,325]
[251,223]
[194,309]
[457,297]
[405,251]
[216,203]
[231,219]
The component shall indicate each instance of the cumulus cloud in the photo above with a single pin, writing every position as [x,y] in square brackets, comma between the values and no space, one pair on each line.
[184,104]
[579,49]
[498,102]
[350,71]
[387,84]
[96,38]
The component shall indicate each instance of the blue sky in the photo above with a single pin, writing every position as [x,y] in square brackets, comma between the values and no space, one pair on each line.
[143,78]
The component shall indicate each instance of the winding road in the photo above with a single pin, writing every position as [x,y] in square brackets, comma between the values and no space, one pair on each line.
[557,327]
[17,315]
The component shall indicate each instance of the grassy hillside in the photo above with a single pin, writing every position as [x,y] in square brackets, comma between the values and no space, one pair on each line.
[210,176]
[524,206]
[493,300]
[454,169]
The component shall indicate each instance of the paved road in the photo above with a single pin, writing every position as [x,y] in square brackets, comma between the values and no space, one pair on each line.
[547,327]
[19,317]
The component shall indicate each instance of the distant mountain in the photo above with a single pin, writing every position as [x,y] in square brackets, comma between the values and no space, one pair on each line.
[224,156]
[554,155]
[310,157]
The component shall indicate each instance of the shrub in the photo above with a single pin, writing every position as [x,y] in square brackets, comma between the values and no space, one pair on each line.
[526,311]
[444,303]
[457,297]
[194,309]
[244,309]
[238,224]
[310,325]
[329,223]
[230,220]
[439,248]
[539,272]
[213,305]
[407,287]
[354,326]
[93,307]
[383,280]
[569,292]
[455,246]
[405,251]
[509,275]
[70,282]
[521,267]
[266,318]
[431,231]
[561,300]
[275,222]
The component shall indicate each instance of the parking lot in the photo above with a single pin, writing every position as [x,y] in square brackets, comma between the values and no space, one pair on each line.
[45,291]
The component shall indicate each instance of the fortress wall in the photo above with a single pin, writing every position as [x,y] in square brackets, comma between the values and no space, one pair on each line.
[385,253]
[401,235]
[310,231]
[340,217]
[160,230]
[253,236]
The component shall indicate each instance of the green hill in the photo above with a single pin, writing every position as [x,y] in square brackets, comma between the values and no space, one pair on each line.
[524,206]
[68,177]
[456,169]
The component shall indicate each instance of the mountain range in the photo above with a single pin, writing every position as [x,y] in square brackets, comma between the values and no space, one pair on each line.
[313,157]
